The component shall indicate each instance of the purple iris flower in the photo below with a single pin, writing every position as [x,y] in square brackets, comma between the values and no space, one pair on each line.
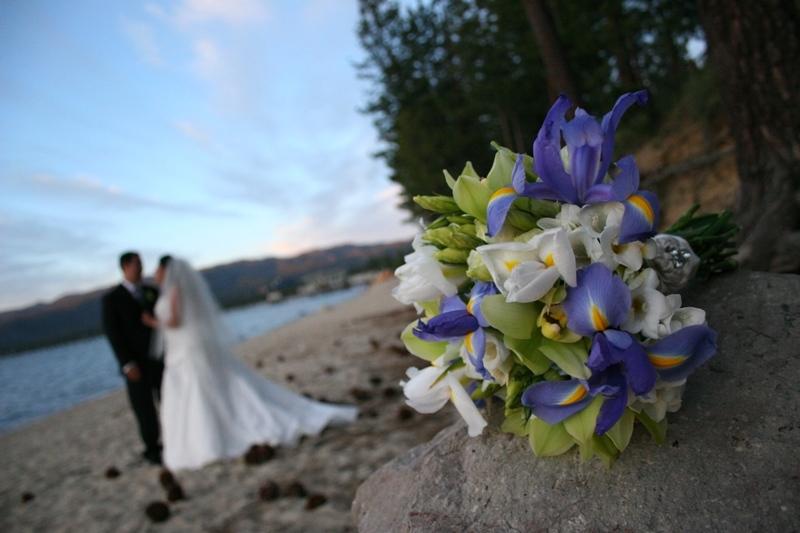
[590,146]
[501,200]
[618,363]
[458,320]
[679,354]
[598,302]
[642,212]
[598,305]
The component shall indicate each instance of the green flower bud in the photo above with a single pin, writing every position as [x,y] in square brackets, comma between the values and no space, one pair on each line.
[459,219]
[452,255]
[521,220]
[441,237]
[542,208]
[464,237]
[476,269]
[437,204]
[440,222]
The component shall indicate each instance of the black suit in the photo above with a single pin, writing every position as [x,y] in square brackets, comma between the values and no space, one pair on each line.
[130,340]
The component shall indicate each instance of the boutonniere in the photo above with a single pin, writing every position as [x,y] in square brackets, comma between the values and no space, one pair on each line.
[150,295]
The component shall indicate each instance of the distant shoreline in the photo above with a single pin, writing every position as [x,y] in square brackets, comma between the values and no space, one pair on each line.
[99,332]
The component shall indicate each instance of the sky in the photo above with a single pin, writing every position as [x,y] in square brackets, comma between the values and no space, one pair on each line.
[214,130]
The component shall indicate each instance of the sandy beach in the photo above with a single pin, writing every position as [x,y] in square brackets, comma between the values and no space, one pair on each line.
[62,460]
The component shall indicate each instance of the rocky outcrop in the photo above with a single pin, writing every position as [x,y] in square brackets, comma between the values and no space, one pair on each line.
[731,461]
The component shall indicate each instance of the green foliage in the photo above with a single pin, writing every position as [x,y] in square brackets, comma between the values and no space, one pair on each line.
[437,204]
[712,237]
[517,320]
[515,422]
[472,196]
[581,425]
[527,352]
[620,433]
[547,440]
[519,379]
[423,349]
[571,358]
[657,430]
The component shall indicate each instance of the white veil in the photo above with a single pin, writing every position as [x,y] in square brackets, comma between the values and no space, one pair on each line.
[201,325]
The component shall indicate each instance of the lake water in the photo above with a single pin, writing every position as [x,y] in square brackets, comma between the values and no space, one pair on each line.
[41,382]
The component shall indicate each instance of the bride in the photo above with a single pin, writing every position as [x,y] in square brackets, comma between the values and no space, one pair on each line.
[213,405]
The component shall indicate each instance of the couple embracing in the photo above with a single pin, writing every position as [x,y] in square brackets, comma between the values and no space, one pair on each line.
[175,350]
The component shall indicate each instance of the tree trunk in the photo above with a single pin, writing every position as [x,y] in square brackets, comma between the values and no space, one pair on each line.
[628,77]
[559,77]
[754,47]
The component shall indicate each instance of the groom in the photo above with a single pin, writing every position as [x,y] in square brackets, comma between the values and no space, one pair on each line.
[132,343]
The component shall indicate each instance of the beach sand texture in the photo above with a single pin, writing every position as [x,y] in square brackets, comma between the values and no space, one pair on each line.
[62,460]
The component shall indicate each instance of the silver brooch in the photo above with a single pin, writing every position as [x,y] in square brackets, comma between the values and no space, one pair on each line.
[673,259]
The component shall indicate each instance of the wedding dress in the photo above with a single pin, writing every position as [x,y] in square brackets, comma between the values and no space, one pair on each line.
[214,405]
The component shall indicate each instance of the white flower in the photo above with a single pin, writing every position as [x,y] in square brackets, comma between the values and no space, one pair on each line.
[679,317]
[596,217]
[664,398]
[426,396]
[495,360]
[568,218]
[524,272]
[648,306]
[423,278]
[601,225]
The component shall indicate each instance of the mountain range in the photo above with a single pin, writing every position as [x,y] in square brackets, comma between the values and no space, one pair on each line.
[78,315]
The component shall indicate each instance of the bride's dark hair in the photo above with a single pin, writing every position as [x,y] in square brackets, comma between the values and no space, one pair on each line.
[164,261]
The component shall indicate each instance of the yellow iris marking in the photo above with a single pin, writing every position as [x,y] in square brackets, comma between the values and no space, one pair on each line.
[505,191]
[666,361]
[470,304]
[641,203]
[548,261]
[577,395]
[468,343]
[510,264]
[598,319]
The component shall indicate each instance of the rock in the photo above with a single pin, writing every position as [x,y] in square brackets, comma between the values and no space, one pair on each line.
[268,491]
[360,395]
[375,381]
[258,454]
[736,467]
[405,413]
[390,392]
[157,511]
[315,500]
[295,489]
[26,497]
[112,472]
[166,479]
[175,493]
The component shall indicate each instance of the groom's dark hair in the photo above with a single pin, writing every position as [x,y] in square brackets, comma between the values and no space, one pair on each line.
[164,261]
[127,257]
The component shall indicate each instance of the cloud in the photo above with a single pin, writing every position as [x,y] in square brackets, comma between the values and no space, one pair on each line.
[37,256]
[376,221]
[87,189]
[235,13]
[193,132]
[144,41]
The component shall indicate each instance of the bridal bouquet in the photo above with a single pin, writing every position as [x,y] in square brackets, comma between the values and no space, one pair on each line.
[544,284]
